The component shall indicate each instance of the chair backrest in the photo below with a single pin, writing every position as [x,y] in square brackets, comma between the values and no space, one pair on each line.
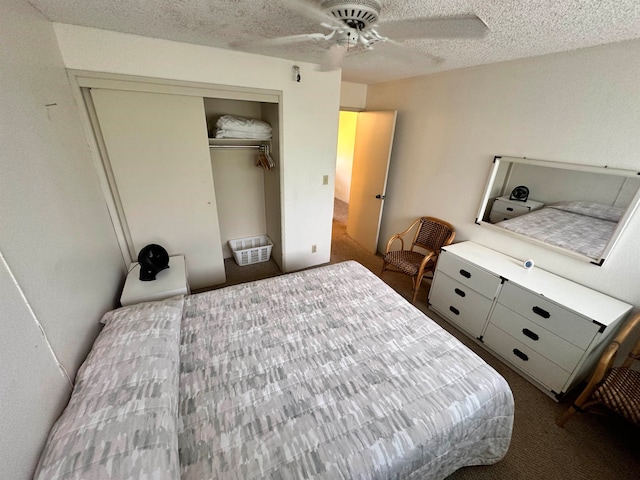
[433,234]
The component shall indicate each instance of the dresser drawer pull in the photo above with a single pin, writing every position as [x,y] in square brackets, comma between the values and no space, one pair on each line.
[509,209]
[460,292]
[520,354]
[541,312]
[530,334]
[464,273]
[455,310]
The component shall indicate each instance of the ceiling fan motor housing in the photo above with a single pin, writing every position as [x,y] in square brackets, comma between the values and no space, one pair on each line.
[356,14]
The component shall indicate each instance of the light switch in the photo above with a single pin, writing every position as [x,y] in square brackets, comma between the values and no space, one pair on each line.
[325,179]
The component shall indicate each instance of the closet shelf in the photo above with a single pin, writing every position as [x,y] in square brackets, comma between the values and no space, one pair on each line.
[241,142]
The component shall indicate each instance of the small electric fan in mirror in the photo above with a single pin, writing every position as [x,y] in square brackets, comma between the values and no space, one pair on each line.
[520,193]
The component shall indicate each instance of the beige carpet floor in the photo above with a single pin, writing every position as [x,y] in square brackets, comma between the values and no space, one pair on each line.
[589,447]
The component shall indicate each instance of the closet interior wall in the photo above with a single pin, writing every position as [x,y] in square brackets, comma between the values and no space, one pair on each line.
[247,196]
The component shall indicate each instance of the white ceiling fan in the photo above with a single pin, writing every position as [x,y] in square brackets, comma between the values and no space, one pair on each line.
[354,26]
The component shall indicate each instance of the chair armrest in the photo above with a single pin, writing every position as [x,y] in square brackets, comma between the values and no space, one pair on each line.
[399,236]
[606,359]
[609,355]
[602,368]
[604,364]
[430,255]
[395,237]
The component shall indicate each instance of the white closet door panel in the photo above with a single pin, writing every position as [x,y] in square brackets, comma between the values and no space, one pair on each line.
[158,151]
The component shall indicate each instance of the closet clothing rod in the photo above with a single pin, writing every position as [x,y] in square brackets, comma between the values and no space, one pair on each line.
[237,146]
[264,158]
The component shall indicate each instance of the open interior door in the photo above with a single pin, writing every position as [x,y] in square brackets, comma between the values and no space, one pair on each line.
[372,152]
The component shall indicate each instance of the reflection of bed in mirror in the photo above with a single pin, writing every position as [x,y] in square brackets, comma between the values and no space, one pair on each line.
[574,209]
[581,227]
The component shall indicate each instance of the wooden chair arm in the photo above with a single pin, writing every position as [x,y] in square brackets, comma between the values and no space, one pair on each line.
[602,368]
[427,258]
[604,364]
[609,354]
[398,236]
[606,359]
[395,237]
[631,325]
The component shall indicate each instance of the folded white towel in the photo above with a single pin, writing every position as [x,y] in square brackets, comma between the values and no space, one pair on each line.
[223,133]
[239,124]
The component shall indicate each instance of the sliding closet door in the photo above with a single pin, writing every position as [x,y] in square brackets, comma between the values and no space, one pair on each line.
[158,151]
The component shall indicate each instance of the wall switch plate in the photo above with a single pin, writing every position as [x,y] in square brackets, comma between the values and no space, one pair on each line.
[314,248]
[325,179]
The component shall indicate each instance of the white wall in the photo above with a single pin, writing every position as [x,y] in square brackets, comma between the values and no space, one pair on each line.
[578,107]
[33,390]
[353,96]
[309,116]
[62,268]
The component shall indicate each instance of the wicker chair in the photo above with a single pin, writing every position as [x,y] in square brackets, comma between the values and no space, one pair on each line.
[431,235]
[616,388]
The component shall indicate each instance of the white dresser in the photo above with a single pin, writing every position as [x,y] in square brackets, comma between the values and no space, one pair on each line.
[503,208]
[548,328]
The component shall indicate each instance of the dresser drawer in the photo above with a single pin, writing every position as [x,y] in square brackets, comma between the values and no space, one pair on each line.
[572,327]
[547,344]
[460,304]
[528,360]
[511,209]
[468,274]
[496,217]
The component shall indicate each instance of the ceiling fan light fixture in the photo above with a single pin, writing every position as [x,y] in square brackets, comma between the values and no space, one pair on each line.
[356,14]
[347,39]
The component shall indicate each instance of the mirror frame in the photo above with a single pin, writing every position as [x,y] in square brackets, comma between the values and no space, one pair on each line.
[622,223]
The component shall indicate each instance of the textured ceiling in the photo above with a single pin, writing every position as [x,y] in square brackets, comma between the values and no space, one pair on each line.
[517,29]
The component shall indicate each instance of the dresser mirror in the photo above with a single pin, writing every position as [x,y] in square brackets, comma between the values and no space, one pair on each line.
[578,210]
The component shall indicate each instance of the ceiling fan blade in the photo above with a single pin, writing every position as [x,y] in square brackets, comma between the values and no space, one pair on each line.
[332,58]
[406,54]
[305,37]
[446,27]
[313,11]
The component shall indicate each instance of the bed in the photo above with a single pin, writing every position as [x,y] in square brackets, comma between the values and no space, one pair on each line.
[582,227]
[325,373]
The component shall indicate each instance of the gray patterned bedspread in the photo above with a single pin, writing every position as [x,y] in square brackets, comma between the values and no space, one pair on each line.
[581,227]
[121,420]
[323,374]
[328,374]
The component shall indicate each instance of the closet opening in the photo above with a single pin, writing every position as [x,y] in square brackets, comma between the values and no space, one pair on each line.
[246,177]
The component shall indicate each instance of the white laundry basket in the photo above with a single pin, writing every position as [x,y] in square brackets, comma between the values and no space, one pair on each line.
[251,249]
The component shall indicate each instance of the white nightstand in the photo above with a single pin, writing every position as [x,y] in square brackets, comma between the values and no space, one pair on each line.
[504,209]
[169,282]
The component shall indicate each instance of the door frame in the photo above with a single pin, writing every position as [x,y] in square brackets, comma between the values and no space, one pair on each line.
[382,193]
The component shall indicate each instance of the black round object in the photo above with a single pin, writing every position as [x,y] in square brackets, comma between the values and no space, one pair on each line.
[520,193]
[152,259]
